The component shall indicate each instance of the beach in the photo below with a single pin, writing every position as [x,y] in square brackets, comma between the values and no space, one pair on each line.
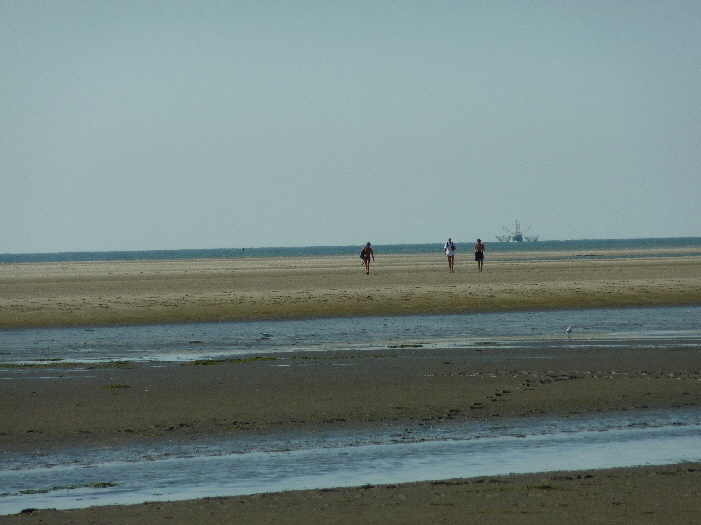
[164,291]
[123,403]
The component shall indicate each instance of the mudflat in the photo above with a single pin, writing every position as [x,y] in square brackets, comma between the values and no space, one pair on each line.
[51,407]
[46,407]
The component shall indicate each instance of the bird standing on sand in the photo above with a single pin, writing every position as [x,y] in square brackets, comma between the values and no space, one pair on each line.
[569,330]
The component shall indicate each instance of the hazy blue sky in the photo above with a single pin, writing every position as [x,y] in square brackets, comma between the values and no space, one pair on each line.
[217,124]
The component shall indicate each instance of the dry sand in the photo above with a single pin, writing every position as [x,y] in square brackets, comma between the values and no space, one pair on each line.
[130,292]
[118,405]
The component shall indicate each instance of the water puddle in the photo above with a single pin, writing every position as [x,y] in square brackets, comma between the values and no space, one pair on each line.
[254,464]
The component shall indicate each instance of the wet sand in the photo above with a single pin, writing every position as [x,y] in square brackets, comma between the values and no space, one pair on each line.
[111,406]
[54,406]
[66,405]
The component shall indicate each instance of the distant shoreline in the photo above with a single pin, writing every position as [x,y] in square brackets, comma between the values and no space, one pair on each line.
[690,245]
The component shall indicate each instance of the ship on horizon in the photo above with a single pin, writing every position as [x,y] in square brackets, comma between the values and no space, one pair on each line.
[517,235]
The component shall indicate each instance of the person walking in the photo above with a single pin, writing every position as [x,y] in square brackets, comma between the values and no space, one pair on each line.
[479,254]
[365,255]
[449,250]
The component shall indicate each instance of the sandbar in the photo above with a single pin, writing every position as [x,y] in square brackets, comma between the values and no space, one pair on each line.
[171,291]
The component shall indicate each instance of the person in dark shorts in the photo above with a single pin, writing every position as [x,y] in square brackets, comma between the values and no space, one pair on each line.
[479,254]
[365,255]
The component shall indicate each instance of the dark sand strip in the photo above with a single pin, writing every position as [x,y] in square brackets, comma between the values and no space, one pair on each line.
[48,407]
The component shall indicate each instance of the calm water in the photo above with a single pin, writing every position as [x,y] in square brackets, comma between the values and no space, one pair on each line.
[494,248]
[294,461]
[663,327]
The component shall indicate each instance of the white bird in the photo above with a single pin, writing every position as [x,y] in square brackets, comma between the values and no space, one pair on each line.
[569,330]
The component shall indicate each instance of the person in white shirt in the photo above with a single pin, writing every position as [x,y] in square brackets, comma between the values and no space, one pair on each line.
[449,250]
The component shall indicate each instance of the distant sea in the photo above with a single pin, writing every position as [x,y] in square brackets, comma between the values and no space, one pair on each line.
[493,249]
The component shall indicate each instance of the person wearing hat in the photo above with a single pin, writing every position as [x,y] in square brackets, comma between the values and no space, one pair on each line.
[479,254]
[365,255]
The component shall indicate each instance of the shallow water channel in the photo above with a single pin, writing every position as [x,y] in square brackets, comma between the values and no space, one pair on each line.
[249,464]
[676,326]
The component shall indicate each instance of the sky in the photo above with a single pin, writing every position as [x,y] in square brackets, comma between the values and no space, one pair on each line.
[227,124]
